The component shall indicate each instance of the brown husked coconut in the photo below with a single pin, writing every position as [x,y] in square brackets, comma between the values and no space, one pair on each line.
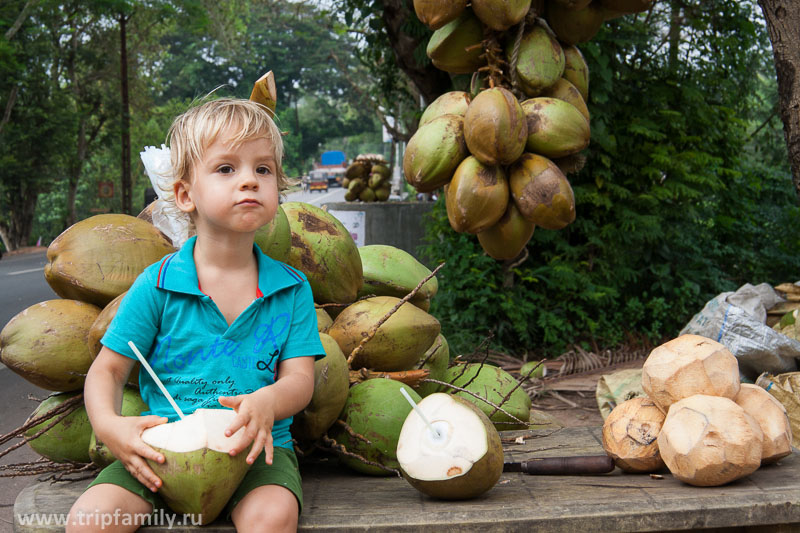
[708,441]
[771,417]
[689,365]
[630,433]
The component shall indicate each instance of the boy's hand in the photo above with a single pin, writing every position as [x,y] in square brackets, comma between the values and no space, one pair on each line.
[255,412]
[125,442]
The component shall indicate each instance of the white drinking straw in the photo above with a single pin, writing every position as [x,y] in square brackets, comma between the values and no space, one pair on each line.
[419,412]
[155,378]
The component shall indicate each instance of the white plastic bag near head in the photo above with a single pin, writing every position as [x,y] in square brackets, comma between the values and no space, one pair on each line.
[166,216]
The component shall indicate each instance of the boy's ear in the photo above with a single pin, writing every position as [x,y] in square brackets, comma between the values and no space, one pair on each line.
[183,197]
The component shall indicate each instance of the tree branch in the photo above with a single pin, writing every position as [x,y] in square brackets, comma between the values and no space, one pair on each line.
[10,32]
[12,97]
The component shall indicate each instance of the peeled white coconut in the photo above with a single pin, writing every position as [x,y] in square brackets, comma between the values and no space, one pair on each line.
[198,475]
[689,365]
[463,460]
[630,433]
[708,441]
[771,417]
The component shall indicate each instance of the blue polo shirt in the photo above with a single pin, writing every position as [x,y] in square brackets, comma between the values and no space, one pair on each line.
[190,346]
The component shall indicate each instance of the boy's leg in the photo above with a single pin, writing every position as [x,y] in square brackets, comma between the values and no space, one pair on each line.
[270,498]
[267,508]
[107,507]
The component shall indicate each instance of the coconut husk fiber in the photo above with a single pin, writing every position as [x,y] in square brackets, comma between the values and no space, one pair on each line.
[786,389]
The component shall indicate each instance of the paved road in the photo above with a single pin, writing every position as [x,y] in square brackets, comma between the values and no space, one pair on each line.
[22,284]
[334,194]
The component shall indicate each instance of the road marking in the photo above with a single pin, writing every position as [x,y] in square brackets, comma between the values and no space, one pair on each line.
[26,271]
[318,200]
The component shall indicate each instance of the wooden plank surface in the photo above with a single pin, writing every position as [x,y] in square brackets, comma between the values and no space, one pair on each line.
[337,500]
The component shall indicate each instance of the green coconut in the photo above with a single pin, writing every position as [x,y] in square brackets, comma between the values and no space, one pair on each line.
[375,410]
[532,369]
[541,59]
[375,180]
[575,26]
[324,320]
[436,13]
[68,440]
[576,71]
[435,361]
[383,170]
[500,14]
[461,458]
[275,238]
[507,238]
[331,384]
[325,252]
[132,405]
[555,128]
[495,127]
[382,194]
[542,192]
[390,271]
[367,195]
[450,103]
[573,4]
[434,152]
[563,89]
[399,341]
[456,46]
[47,343]
[199,475]
[357,185]
[477,196]
[493,384]
[99,258]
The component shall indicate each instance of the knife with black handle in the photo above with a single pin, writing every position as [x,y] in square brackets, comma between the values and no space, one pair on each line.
[563,466]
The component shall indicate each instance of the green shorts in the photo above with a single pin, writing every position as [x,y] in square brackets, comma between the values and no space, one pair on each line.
[283,471]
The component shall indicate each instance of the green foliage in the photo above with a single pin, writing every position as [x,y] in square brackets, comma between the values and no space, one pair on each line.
[675,204]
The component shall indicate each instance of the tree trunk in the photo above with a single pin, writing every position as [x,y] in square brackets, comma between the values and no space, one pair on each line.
[783,24]
[430,81]
[75,169]
[127,187]
[17,233]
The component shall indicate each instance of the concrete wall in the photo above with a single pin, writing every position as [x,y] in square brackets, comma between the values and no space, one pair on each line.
[399,224]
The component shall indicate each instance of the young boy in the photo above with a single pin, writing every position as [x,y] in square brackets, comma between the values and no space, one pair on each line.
[222,325]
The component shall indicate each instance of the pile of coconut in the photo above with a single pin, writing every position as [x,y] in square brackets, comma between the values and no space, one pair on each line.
[379,339]
[698,420]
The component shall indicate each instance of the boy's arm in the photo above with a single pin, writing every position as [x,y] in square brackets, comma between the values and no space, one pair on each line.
[258,411]
[122,434]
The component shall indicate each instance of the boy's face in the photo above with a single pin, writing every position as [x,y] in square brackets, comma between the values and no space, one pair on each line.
[232,189]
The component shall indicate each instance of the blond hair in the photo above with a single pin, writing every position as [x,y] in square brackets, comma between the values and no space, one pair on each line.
[195,130]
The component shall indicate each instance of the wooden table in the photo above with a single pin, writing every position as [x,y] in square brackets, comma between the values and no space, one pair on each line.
[337,500]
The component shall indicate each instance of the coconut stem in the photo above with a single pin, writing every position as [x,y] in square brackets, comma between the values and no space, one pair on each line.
[68,406]
[411,378]
[357,350]
[340,449]
[59,470]
[481,398]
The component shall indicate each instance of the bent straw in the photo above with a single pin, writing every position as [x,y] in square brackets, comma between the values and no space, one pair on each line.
[155,378]
[419,412]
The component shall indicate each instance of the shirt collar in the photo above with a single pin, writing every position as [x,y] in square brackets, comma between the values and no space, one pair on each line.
[178,273]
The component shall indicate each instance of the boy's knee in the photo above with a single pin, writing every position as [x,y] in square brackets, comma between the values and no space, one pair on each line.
[107,508]
[260,510]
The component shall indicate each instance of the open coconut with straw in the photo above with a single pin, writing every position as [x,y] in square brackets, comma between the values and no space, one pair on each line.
[199,475]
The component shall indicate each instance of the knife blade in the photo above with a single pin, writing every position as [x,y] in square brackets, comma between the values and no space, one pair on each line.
[568,466]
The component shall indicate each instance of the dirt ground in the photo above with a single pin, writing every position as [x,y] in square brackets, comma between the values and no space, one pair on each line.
[571,399]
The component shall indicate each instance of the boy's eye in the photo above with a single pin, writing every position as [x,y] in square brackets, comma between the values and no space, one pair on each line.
[264,170]
[225,169]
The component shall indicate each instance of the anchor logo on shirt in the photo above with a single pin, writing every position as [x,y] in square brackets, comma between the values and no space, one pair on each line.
[264,365]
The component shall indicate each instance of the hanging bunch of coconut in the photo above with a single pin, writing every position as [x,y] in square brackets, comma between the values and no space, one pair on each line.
[367,179]
[706,427]
[502,151]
